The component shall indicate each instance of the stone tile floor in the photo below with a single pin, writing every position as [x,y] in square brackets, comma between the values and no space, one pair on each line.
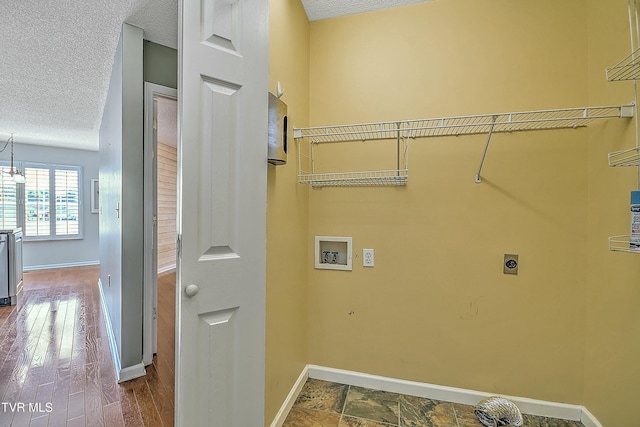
[326,404]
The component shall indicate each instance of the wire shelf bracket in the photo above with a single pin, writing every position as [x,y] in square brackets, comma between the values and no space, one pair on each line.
[484,152]
[489,124]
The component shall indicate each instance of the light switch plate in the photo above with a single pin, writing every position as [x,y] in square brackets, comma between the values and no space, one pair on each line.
[510,264]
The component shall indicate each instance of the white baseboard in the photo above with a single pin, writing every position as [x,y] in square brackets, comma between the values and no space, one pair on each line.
[63,265]
[115,355]
[450,394]
[129,372]
[167,269]
[281,416]
[588,419]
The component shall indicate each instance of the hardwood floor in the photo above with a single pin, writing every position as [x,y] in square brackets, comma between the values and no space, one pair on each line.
[55,362]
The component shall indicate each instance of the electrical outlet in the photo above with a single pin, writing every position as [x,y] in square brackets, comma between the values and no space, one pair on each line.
[510,264]
[367,257]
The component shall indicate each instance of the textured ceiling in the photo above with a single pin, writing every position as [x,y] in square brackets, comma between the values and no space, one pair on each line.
[323,9]
[57,56]
[56,63]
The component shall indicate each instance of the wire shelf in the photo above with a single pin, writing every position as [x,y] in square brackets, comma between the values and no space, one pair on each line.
[622,244]
[627,69]
[464,125]
[361,179]
[630,157]
[403,131]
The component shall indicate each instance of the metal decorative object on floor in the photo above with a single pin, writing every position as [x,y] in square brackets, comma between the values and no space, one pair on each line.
[498,411]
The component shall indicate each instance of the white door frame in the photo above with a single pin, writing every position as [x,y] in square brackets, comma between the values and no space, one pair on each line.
[149,320]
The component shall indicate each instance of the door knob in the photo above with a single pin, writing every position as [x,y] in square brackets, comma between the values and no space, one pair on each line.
[191,290]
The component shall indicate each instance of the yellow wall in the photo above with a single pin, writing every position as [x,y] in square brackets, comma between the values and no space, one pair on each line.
[287,212]
[612,356]
[436,307]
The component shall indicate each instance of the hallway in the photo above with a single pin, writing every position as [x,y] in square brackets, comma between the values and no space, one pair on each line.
[55,361]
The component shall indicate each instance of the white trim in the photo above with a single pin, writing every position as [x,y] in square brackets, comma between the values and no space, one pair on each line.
[588,419]
[281,416]
[131,372]
[63,265]
[438,392]
[113,346]
[167,269]
[150,275]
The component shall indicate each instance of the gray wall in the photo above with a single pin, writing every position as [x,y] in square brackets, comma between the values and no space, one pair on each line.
[121,174]
[63,253]
[160,65]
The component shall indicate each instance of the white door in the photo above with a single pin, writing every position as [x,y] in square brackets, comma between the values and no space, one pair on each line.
[222,166]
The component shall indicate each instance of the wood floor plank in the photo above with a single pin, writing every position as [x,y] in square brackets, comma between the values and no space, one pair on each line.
[108,385]
[54,352]
[130,410]
[59,400]
[39,421]
[78,422]
[148,409]
[162,397]
[78,375]
[16,365]
[9,332]
[93,396]
[75,407]
[113,415]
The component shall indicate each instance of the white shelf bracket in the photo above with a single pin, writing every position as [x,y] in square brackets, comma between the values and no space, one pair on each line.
[486,147]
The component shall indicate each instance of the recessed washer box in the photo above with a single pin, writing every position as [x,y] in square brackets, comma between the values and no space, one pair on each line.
[333,253]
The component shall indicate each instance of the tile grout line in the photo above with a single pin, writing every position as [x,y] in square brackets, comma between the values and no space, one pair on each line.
[455,414]
[344,405]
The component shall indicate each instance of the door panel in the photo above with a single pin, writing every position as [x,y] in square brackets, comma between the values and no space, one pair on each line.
[216,351]
[220,23]
[222,161]
[219,157]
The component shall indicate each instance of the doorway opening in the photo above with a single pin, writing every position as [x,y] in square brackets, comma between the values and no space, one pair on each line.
[160,231]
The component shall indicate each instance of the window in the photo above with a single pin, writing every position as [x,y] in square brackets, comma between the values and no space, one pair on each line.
[37,203]
[67,202]
[52,201]
[8,201]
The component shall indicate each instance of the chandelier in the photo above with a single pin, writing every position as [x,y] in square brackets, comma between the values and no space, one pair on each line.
[15,173]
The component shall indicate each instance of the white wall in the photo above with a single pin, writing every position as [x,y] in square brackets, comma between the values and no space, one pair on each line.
[61,253]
